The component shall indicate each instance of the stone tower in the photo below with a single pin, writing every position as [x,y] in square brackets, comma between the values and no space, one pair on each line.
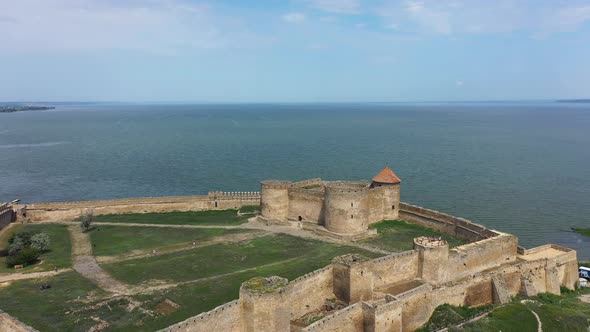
[346,207]
[274,199]
[389,184]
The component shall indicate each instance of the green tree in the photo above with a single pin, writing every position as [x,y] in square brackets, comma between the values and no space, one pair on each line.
[86,220]
[40,242]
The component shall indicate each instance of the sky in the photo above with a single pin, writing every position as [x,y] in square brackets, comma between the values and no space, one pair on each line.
[293,50]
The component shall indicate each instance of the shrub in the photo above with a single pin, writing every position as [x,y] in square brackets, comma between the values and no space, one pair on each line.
[86,220]
[27,256]
[41,242]
[24,237]
[16,246]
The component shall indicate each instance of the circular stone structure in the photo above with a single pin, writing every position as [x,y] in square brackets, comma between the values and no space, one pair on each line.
[274,199]
[264,304]
[346,206]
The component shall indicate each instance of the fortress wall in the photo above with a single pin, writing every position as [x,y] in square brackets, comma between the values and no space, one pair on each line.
[308,204]
[478,256]
[310,291]
[72,210]
[349,319]
[307,183]
[395,268]
[444,222]
[417,306]
[375,205]
[7,216]
[226,317]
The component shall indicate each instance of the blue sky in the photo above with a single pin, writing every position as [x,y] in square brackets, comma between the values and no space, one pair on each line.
[293,50]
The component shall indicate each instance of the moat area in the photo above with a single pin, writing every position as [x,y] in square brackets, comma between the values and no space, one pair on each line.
[516,167]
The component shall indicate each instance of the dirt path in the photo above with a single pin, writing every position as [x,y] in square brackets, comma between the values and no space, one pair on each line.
[123,224]
[85,264]
[253,224]
[585,298]
[135,254]
[540,328]
[32,275]
[150,289]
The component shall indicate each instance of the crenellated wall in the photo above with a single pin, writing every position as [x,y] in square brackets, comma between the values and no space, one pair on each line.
[7,215]
[444,222]
[405,264]
[307,204]
[226,318]
[317,285]
[213,201]
[349,319]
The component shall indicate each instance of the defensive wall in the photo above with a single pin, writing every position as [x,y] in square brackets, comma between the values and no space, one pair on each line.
[7,215]
[399,292]
[217,200]
[342,207]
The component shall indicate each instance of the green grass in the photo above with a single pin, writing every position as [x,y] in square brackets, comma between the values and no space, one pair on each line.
[250,209]
[447,314]
[203,296]
[225,258]
[557,313]
[583,231]
[46,310]
[115,240]
[398,235]
[51,311]
[212,217]
[58,255]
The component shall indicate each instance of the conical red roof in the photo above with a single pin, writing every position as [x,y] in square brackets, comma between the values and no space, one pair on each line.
[387,176]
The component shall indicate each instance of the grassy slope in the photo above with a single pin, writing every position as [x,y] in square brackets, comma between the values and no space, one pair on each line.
[114,240]
[397,235]
[225,258]
[214,217]
[557,313]
[58,256]
[46,309]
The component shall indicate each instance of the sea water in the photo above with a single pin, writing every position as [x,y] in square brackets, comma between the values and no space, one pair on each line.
[519,167]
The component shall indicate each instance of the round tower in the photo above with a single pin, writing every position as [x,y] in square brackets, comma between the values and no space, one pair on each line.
[274,199]
[389,184]
[264,305]
[346,207]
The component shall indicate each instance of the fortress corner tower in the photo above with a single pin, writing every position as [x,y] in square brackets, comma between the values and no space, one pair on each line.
[386,186]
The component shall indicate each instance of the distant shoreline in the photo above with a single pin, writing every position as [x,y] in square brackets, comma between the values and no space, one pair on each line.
[573,101]
[18,108]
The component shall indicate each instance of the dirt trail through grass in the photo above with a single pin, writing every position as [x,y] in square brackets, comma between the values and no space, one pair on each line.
[540,329]
[85,264]
[32,275]
[136,254]
[150,289]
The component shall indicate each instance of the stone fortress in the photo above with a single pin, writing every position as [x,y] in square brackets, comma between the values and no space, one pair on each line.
[396,292]
[343,208]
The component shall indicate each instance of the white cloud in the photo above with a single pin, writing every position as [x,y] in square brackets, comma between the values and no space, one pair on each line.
[293,17]
[166,27]
[459,83]
[337,6]
[486,17]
